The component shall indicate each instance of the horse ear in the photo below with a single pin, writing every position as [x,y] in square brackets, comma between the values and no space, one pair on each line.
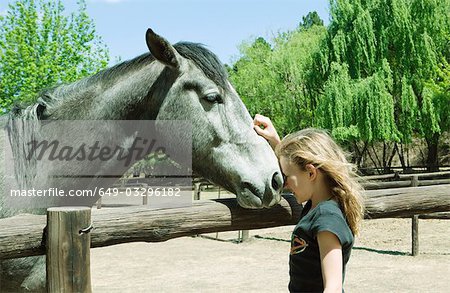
[162,50]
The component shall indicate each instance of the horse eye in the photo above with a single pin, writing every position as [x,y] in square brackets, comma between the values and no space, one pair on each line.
[214,98]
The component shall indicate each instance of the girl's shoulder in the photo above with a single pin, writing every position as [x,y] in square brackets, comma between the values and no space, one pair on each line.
[329,205]
[329,217]
[328,209]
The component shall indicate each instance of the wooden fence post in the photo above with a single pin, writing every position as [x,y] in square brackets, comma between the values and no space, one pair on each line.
[245,235]
[145,196]
[197,190]
[415,223]
[68,249]
[99,203]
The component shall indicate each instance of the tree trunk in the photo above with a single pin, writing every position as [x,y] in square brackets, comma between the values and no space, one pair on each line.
[432,156]
[359,153]
[391,157]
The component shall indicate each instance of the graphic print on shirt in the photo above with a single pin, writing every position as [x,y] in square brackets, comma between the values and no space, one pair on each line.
[298,245]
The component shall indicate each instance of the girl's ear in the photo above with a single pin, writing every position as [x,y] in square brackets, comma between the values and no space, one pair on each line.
[312,171]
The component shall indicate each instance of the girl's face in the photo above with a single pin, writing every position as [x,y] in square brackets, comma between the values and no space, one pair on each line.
[298,181]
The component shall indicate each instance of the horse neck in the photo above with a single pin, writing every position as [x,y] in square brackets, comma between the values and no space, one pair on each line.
[132,90]
[120,93]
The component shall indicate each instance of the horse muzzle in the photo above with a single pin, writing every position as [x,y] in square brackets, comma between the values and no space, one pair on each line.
[251,197]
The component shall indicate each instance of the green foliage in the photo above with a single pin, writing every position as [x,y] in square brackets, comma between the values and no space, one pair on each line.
[430,113]
[360,109]
[379,73]
[253,78]
[310,20]
[392,58]
[405,39]
[375,108]
[41,46]
[335,109]
[273,79]
[440,91]
[409,112]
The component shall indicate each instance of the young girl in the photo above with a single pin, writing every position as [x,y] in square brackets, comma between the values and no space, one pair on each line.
[317,172]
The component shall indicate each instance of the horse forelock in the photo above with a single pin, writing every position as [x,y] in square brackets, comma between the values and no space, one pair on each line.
[206,60]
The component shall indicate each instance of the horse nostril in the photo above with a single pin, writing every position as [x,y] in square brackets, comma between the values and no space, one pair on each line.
[250,187]
[277,181]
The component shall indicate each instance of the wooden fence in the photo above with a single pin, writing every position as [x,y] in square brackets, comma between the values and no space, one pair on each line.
[67,246]
[396,180]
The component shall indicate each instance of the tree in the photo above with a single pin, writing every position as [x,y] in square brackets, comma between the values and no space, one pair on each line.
[271,78]
[390,51]
[438,91]
[311,19]
[254,79]
[41,46]
[291,62]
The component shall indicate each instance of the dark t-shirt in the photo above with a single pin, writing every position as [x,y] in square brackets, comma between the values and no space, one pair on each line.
[304,262]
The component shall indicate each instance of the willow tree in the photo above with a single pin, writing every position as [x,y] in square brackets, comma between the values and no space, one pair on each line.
[390,51]
[40,46]
[358,110]
[439,92]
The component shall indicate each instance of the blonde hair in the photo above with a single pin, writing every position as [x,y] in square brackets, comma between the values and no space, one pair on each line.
[316,147]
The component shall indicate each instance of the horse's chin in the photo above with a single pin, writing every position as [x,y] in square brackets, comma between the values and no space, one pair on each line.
[248,200]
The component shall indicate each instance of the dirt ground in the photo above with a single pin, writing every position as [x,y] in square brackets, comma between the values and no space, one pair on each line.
[380,262]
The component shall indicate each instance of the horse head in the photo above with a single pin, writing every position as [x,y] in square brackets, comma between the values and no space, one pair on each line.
[225,147]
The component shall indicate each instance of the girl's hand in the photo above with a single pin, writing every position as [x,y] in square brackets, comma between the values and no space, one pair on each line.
[269,132]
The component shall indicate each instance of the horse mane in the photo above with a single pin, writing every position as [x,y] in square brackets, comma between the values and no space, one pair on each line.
[203,58]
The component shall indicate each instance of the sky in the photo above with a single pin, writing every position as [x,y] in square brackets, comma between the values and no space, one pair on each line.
[221,25]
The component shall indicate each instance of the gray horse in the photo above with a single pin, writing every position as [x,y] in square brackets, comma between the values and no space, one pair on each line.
[180,82]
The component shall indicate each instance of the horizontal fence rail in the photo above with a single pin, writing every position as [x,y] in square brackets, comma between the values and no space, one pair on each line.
[404,176]
[22,235]
[404,183]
